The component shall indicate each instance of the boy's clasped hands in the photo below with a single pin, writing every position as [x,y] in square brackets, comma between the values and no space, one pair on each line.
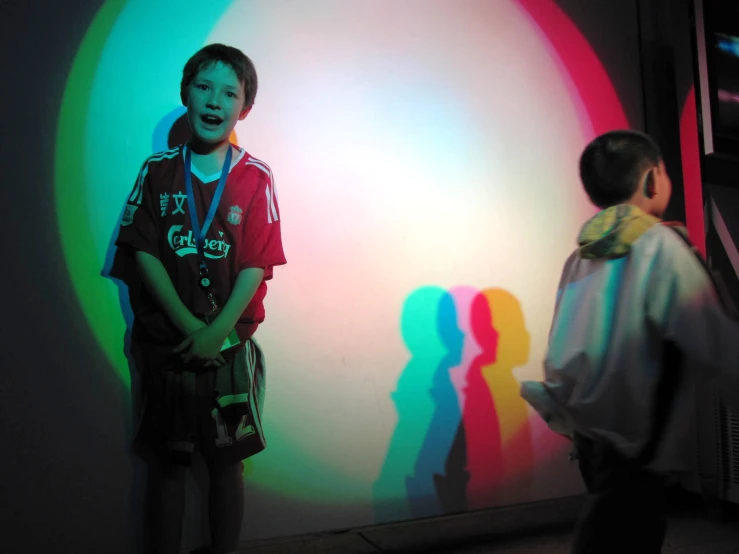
[202,343]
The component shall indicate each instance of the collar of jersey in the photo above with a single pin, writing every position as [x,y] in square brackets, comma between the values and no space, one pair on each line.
[205,179]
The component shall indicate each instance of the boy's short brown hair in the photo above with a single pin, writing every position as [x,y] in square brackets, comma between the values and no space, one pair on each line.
[233,57]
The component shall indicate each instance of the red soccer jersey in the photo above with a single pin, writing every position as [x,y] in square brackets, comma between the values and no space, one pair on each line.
[245,233]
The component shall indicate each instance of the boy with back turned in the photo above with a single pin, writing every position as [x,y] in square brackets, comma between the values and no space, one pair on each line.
[637,322]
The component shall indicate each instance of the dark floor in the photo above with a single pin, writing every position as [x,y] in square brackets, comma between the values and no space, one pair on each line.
[692,529]
[687,534]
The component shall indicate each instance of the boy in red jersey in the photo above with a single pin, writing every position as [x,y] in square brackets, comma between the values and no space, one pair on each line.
[199,238]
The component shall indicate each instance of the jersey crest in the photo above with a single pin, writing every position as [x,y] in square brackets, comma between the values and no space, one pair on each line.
[235,215]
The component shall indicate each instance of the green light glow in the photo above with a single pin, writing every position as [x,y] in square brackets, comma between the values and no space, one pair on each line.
[104,317]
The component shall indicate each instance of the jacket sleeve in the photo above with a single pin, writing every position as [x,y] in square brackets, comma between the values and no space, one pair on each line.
[139,229]
[549,397]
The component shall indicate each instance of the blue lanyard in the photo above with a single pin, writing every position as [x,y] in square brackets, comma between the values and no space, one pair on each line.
[196,229]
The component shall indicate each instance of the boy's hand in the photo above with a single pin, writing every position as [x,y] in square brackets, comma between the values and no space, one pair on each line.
[204,345]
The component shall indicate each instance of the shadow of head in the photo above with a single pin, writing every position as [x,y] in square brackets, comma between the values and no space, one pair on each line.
[499,327]
[174,129]
[429,324]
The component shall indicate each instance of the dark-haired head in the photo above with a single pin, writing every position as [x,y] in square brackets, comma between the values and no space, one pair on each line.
[622,167]
[219,84]
[239,62]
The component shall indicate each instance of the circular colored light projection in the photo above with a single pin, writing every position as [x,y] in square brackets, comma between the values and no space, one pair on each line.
[422,149]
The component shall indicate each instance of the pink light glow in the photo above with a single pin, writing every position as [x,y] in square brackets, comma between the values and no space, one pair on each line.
[692,180]
[601,110]
[728,96]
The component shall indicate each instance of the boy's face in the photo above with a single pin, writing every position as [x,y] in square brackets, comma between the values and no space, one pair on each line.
[659,190]
[215,103]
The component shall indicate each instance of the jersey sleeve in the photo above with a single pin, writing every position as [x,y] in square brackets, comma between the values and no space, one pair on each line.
[262,240]
[140,227]
[138,230]
[684,305]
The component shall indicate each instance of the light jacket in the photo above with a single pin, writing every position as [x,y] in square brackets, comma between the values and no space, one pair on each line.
[633,293]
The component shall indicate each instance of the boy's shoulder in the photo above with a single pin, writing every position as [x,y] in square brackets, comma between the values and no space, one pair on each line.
[165,169]
[165,157]
[668,241]
[251,177]
[669,237]
[160,163]
[255,166]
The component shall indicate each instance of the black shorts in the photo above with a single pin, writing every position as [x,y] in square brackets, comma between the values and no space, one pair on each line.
[194,407]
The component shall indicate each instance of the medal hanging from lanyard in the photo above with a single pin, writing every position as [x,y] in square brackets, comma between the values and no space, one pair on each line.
[200,232]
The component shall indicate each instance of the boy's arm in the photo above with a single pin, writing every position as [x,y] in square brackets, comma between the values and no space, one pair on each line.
[683,304]
[159,284]
[261,249]
[205,343]
[543,397]
[247,283]
[138,241]
[550,397]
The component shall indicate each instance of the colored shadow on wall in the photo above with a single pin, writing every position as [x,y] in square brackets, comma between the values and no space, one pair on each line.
[424,398]
[463,438]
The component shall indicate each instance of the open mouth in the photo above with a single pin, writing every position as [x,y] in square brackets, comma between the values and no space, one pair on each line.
[211,120]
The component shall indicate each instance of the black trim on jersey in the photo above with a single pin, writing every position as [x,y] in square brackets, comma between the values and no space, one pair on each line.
[137,194]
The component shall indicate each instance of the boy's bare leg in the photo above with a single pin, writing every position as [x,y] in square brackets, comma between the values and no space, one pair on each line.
[166,508]
[226,506]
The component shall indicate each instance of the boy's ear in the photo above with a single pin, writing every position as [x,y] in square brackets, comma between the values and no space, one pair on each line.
[243,113]
[183,96]
[650,184]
